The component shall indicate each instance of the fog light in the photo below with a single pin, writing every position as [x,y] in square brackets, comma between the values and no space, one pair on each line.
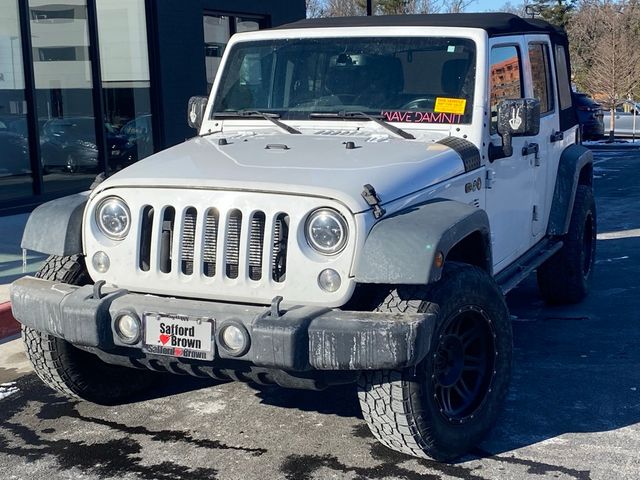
[128,327]
[233,337]
[329,280]
[101,262]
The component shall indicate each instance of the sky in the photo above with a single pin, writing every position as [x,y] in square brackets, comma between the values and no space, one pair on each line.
[487,5]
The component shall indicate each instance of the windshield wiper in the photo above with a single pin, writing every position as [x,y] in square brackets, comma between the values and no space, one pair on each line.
[272,117]
[378,119]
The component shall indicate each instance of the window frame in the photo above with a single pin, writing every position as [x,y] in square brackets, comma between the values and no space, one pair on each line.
[549,71]
[561,61]
[264,22]
[220,92]
[493,125]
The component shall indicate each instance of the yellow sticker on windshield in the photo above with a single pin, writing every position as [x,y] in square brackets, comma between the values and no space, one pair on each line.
[450,105]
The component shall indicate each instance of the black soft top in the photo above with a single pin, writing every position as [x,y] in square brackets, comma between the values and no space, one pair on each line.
[495,24]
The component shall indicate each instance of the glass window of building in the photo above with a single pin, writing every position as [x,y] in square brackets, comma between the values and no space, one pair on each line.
[217,30]
[124,64]
[506,78]
[247,24]
[541,76]
[15,169]
[63,81]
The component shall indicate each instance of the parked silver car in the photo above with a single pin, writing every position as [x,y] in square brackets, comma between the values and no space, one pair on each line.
[627,123]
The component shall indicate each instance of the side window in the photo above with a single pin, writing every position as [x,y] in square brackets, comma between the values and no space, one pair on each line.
[506,78]
[564,83]
[541,75]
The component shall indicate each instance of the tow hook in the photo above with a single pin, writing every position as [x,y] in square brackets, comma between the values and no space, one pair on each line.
[275,307]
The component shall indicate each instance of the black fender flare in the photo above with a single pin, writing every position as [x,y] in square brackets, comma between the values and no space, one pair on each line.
[572,161]
[401,248]
[55,227]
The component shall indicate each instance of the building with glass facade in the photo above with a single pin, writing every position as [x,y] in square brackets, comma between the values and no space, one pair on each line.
[88,86]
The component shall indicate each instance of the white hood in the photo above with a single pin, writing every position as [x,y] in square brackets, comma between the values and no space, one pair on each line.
[314,165]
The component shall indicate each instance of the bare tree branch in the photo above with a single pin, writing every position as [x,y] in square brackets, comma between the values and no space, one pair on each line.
[605,53]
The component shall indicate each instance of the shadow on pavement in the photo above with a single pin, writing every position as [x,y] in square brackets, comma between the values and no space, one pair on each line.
[575,368]
[340,400]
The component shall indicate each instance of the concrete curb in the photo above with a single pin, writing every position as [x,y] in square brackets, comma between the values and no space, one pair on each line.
[8,325]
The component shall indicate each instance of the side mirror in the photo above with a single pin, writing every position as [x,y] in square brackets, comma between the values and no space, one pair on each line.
[195,111]
[516,118]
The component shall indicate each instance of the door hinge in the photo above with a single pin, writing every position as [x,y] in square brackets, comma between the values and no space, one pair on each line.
[536,214]
[532,148]
[556,136]
[489,178]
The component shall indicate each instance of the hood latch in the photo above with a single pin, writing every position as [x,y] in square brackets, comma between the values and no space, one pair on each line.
[371,197]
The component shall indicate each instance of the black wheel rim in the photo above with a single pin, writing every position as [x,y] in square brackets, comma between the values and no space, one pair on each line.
[464,364]
[588,242]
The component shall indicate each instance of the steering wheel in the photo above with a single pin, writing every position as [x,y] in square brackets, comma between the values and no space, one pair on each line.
[419,104]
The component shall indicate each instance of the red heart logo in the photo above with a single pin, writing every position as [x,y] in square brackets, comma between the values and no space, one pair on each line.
[178,352]
[165,338]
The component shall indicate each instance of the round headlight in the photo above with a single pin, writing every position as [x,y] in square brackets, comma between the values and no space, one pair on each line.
[113,218]
[326,231]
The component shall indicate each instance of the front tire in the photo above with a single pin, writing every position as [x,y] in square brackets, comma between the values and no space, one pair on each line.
[449,402]
[70,370]
[565,277]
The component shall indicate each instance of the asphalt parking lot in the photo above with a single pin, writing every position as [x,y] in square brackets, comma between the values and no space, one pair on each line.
[573,410]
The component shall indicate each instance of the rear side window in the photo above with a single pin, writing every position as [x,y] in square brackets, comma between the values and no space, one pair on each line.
[541,75]
[564,88]
[506,78]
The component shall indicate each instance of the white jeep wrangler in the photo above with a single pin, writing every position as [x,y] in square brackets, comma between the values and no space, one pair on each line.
[361,194]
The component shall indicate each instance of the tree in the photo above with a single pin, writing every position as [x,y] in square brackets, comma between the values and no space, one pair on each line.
[604,50]
[345,8]
[557,12]
[456,6]
[341,8]
[514,8]
[315,8]
[399,7]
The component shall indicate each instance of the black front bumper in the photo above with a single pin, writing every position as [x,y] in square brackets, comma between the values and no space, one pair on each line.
[297,339]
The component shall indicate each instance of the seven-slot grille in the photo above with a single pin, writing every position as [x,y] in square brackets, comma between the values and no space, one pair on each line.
[213,243]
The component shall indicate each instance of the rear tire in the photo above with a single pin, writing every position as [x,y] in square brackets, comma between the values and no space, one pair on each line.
[69,370]
[565,277]
[448,403]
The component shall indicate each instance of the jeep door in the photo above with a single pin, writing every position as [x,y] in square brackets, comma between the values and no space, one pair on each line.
[540,84]
[511,179]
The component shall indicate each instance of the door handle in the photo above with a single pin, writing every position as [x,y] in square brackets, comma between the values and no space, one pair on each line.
[556,136]
[529,149]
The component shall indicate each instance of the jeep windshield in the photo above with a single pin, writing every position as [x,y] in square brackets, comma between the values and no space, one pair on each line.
[400,79]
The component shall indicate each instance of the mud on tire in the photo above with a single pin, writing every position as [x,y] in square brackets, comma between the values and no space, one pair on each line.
[69,370]
[415,410]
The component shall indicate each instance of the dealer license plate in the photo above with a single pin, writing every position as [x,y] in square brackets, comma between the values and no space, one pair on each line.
[178,336]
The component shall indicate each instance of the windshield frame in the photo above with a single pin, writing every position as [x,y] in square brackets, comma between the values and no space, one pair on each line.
[476,35]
